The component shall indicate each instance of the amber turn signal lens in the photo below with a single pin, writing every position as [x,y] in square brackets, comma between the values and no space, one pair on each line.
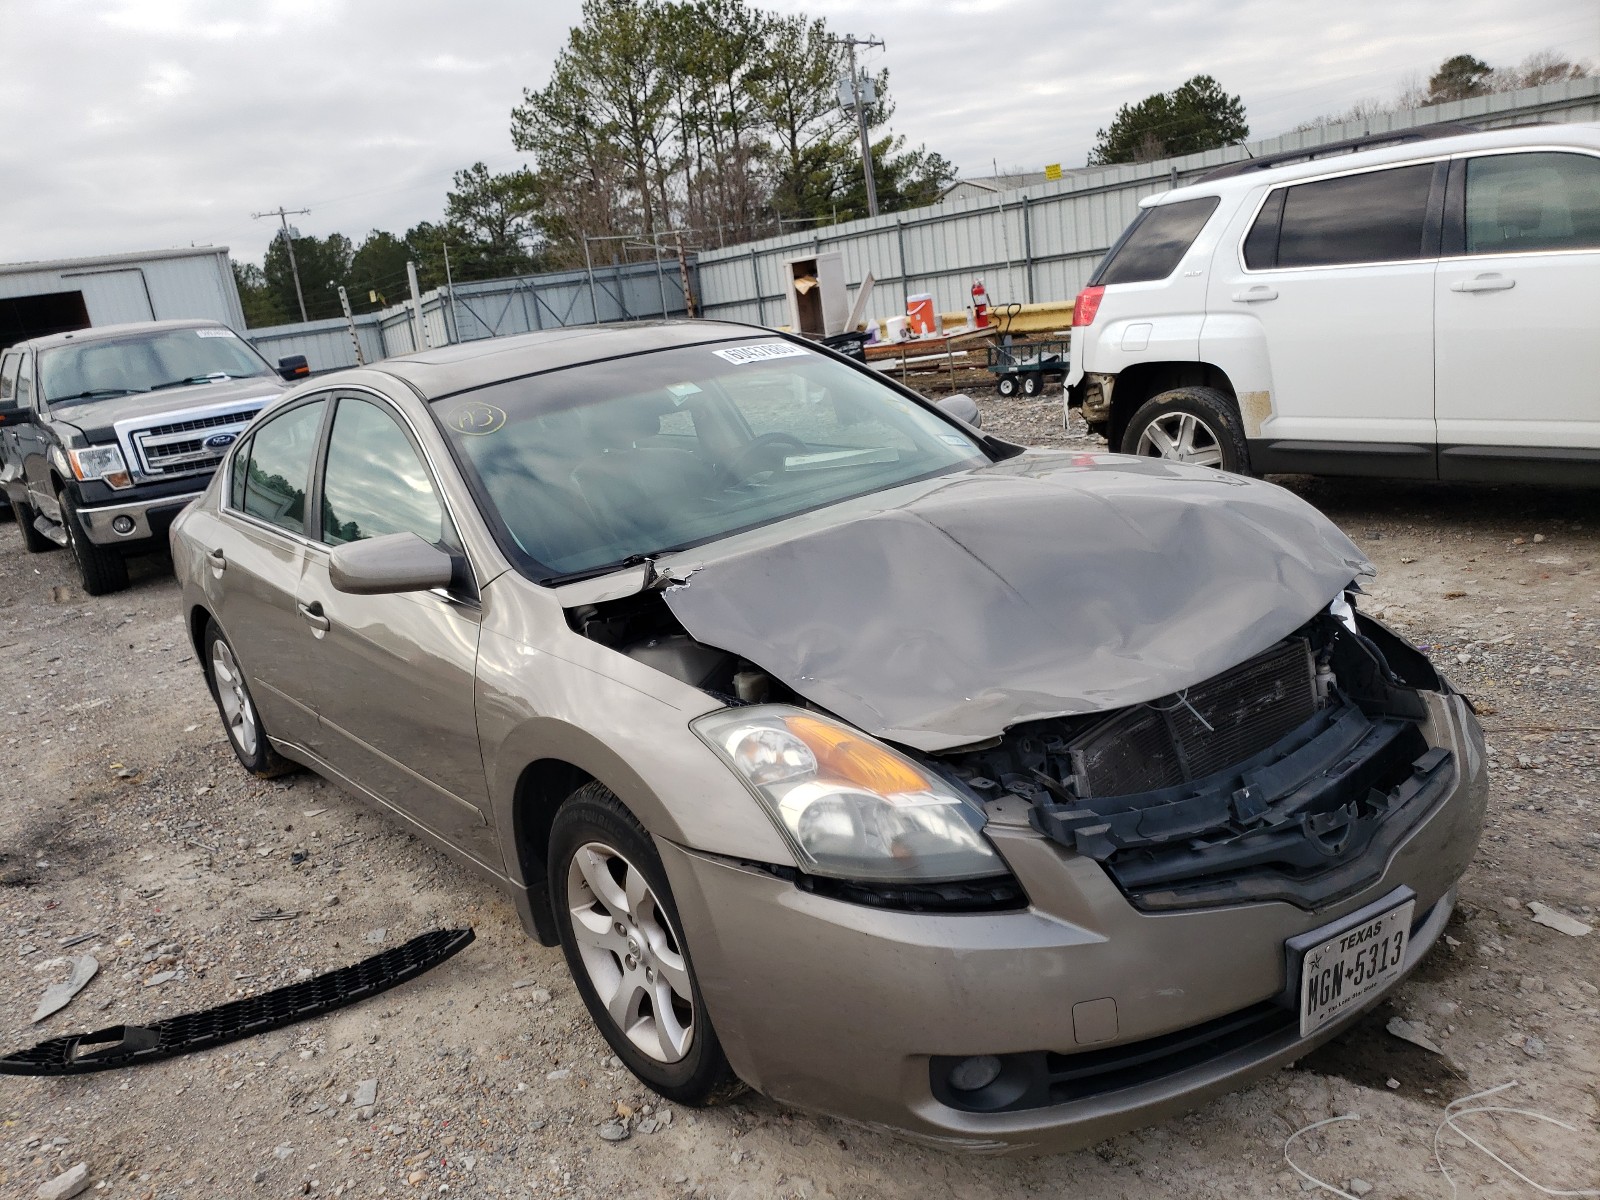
[844,757]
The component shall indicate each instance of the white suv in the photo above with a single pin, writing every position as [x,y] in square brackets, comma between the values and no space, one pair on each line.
[1427,310]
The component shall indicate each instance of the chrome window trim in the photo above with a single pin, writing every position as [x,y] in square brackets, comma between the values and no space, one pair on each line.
[319,463]
[1255,215]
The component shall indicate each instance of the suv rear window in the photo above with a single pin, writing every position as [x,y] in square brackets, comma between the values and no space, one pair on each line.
[1156,242]
[1378,216]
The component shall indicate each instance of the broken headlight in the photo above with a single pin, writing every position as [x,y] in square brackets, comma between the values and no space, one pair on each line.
[851,807]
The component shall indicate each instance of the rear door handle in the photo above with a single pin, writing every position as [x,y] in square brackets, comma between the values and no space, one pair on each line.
[313,615]
[1256,294]
[217,559]
[1491,281]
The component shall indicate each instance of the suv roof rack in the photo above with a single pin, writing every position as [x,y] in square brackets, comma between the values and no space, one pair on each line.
[1370,141]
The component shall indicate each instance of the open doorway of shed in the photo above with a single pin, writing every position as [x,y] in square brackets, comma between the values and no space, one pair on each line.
[23,317]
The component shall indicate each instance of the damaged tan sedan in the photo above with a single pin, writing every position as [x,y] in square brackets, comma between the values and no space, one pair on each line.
[1006,799]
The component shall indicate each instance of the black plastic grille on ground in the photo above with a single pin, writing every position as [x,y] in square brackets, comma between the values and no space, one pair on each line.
[128,1045]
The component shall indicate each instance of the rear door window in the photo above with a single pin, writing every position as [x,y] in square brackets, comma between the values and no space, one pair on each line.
[1377,216]
[1156,242]
[1527,203]
[279,470]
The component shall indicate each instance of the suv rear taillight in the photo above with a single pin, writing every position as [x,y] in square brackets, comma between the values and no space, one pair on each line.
[1086,306]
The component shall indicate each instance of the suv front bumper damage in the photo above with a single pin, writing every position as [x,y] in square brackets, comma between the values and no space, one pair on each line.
[1145,1013]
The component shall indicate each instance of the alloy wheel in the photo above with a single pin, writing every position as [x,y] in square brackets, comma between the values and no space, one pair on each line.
[237,712]
[631,953]
[1181,437]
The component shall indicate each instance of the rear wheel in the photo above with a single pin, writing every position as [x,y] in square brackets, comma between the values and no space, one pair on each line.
[1032,385]
[238,710]
[1196,425]
[624,946]
[33,541]
[1006,385]
[101,568]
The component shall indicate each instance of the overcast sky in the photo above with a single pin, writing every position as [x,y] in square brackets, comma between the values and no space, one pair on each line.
[138,124]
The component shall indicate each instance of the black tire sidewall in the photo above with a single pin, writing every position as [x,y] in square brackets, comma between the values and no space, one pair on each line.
[1007,385]
[102,571]
[1214,408]
[594,814]
[33,541]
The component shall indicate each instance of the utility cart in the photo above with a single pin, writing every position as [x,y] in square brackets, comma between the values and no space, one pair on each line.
[1027,366]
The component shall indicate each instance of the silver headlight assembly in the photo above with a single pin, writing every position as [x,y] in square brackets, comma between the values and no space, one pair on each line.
[851,807]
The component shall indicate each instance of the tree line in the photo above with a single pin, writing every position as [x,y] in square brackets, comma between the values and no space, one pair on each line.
[714,119]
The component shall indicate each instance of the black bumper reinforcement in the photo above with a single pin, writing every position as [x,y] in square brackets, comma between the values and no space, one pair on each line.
[129,1045]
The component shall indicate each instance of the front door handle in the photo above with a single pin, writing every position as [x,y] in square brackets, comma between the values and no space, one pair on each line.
[1256,294]
[1491,281]
[313,615]
[217,559]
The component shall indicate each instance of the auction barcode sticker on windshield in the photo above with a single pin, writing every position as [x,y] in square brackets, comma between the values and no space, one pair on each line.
[215,333]
[766,350]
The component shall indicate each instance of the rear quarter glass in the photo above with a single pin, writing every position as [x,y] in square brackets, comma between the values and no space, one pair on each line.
[1156,242]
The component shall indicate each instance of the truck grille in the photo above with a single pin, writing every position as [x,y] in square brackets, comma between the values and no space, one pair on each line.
[179,447]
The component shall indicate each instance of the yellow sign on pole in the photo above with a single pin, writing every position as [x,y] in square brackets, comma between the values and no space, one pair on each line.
[1053,171]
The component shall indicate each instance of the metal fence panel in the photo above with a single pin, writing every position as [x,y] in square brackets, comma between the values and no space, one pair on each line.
[1041,243]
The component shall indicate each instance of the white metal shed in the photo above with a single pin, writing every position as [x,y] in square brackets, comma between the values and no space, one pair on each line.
[37,298]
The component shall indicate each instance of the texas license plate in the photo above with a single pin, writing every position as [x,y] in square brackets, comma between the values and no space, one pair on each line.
[1336,975]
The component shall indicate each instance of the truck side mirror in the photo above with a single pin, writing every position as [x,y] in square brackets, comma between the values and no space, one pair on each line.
[294,367]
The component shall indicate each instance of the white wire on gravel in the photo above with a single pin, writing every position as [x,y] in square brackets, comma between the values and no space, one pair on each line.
[1323,1184]
[1452,1111]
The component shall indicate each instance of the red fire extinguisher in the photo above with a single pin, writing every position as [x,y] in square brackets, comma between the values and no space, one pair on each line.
[980,306]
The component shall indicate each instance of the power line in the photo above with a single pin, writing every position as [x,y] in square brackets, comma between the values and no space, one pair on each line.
[283,214]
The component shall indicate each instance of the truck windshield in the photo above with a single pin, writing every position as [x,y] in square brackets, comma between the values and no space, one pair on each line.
[144,362]
[587,468]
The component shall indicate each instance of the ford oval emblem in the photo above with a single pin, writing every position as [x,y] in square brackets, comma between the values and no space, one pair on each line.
[218,440]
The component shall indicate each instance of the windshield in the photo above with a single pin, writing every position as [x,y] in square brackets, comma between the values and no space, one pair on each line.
[588,467]
[145,362]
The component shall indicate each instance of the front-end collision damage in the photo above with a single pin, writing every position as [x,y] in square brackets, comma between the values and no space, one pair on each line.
[1041,587]
[1291,777]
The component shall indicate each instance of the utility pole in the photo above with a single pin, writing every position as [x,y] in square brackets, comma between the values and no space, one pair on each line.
[858,93]
[419,325]
[450,290]
[283,215]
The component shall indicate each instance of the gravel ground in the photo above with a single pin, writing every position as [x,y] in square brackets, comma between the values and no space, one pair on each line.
[124,817]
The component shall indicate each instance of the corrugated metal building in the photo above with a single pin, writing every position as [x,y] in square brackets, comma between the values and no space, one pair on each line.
[37,298]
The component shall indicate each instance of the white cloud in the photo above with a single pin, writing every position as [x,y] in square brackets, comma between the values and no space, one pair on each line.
[144,123]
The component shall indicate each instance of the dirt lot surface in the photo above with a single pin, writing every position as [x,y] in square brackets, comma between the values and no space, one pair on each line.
[123,816]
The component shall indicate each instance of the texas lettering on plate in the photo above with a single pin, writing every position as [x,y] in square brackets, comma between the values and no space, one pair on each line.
[1338,974]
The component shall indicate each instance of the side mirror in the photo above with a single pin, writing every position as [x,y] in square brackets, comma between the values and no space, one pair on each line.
[963,408]
[395,562]
[11,414]
[294,367]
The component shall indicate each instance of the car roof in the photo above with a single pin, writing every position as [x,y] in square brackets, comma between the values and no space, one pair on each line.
[1579,135]
[100,333]
[467,365]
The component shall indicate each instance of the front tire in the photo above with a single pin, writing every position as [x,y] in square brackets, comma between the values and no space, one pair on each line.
[620,933]
[102,570]
[1006,385]
[1032,385]
[240,719]
[1196,425]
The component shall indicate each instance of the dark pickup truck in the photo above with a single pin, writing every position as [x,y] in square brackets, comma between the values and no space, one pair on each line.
[105,434]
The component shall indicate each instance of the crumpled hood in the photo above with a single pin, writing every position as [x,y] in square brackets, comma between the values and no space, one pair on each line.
[1047,585]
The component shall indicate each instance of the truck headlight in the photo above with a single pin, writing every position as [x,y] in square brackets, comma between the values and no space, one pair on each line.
[849,805]
[103,463]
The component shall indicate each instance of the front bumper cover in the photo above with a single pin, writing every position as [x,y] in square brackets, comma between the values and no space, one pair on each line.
[147,517]
[841,1009]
